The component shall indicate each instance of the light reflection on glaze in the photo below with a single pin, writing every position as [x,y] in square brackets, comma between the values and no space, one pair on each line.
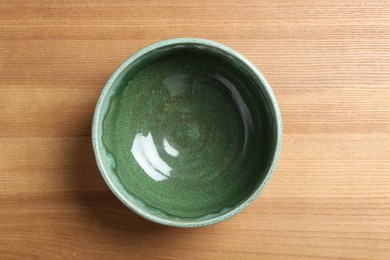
[175,84]
[169,149]
[241,105]
[145,153]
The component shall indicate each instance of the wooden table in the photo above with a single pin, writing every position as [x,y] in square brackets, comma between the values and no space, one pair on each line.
[328,62]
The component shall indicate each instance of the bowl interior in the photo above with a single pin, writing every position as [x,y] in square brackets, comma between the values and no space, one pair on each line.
[187,133]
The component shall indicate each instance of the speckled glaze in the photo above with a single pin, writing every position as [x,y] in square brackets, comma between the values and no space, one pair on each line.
[187,132]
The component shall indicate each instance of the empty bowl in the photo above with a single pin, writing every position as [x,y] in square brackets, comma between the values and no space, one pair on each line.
[187,132]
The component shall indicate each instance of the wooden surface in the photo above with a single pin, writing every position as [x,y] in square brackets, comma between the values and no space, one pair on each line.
[328,62]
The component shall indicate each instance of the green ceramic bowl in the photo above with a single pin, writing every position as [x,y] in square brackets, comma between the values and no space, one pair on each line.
[187,132]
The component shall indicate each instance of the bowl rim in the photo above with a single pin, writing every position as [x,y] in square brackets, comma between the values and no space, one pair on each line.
[97,142]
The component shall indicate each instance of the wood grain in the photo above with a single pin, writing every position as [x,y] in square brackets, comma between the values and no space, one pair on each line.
[329,65]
